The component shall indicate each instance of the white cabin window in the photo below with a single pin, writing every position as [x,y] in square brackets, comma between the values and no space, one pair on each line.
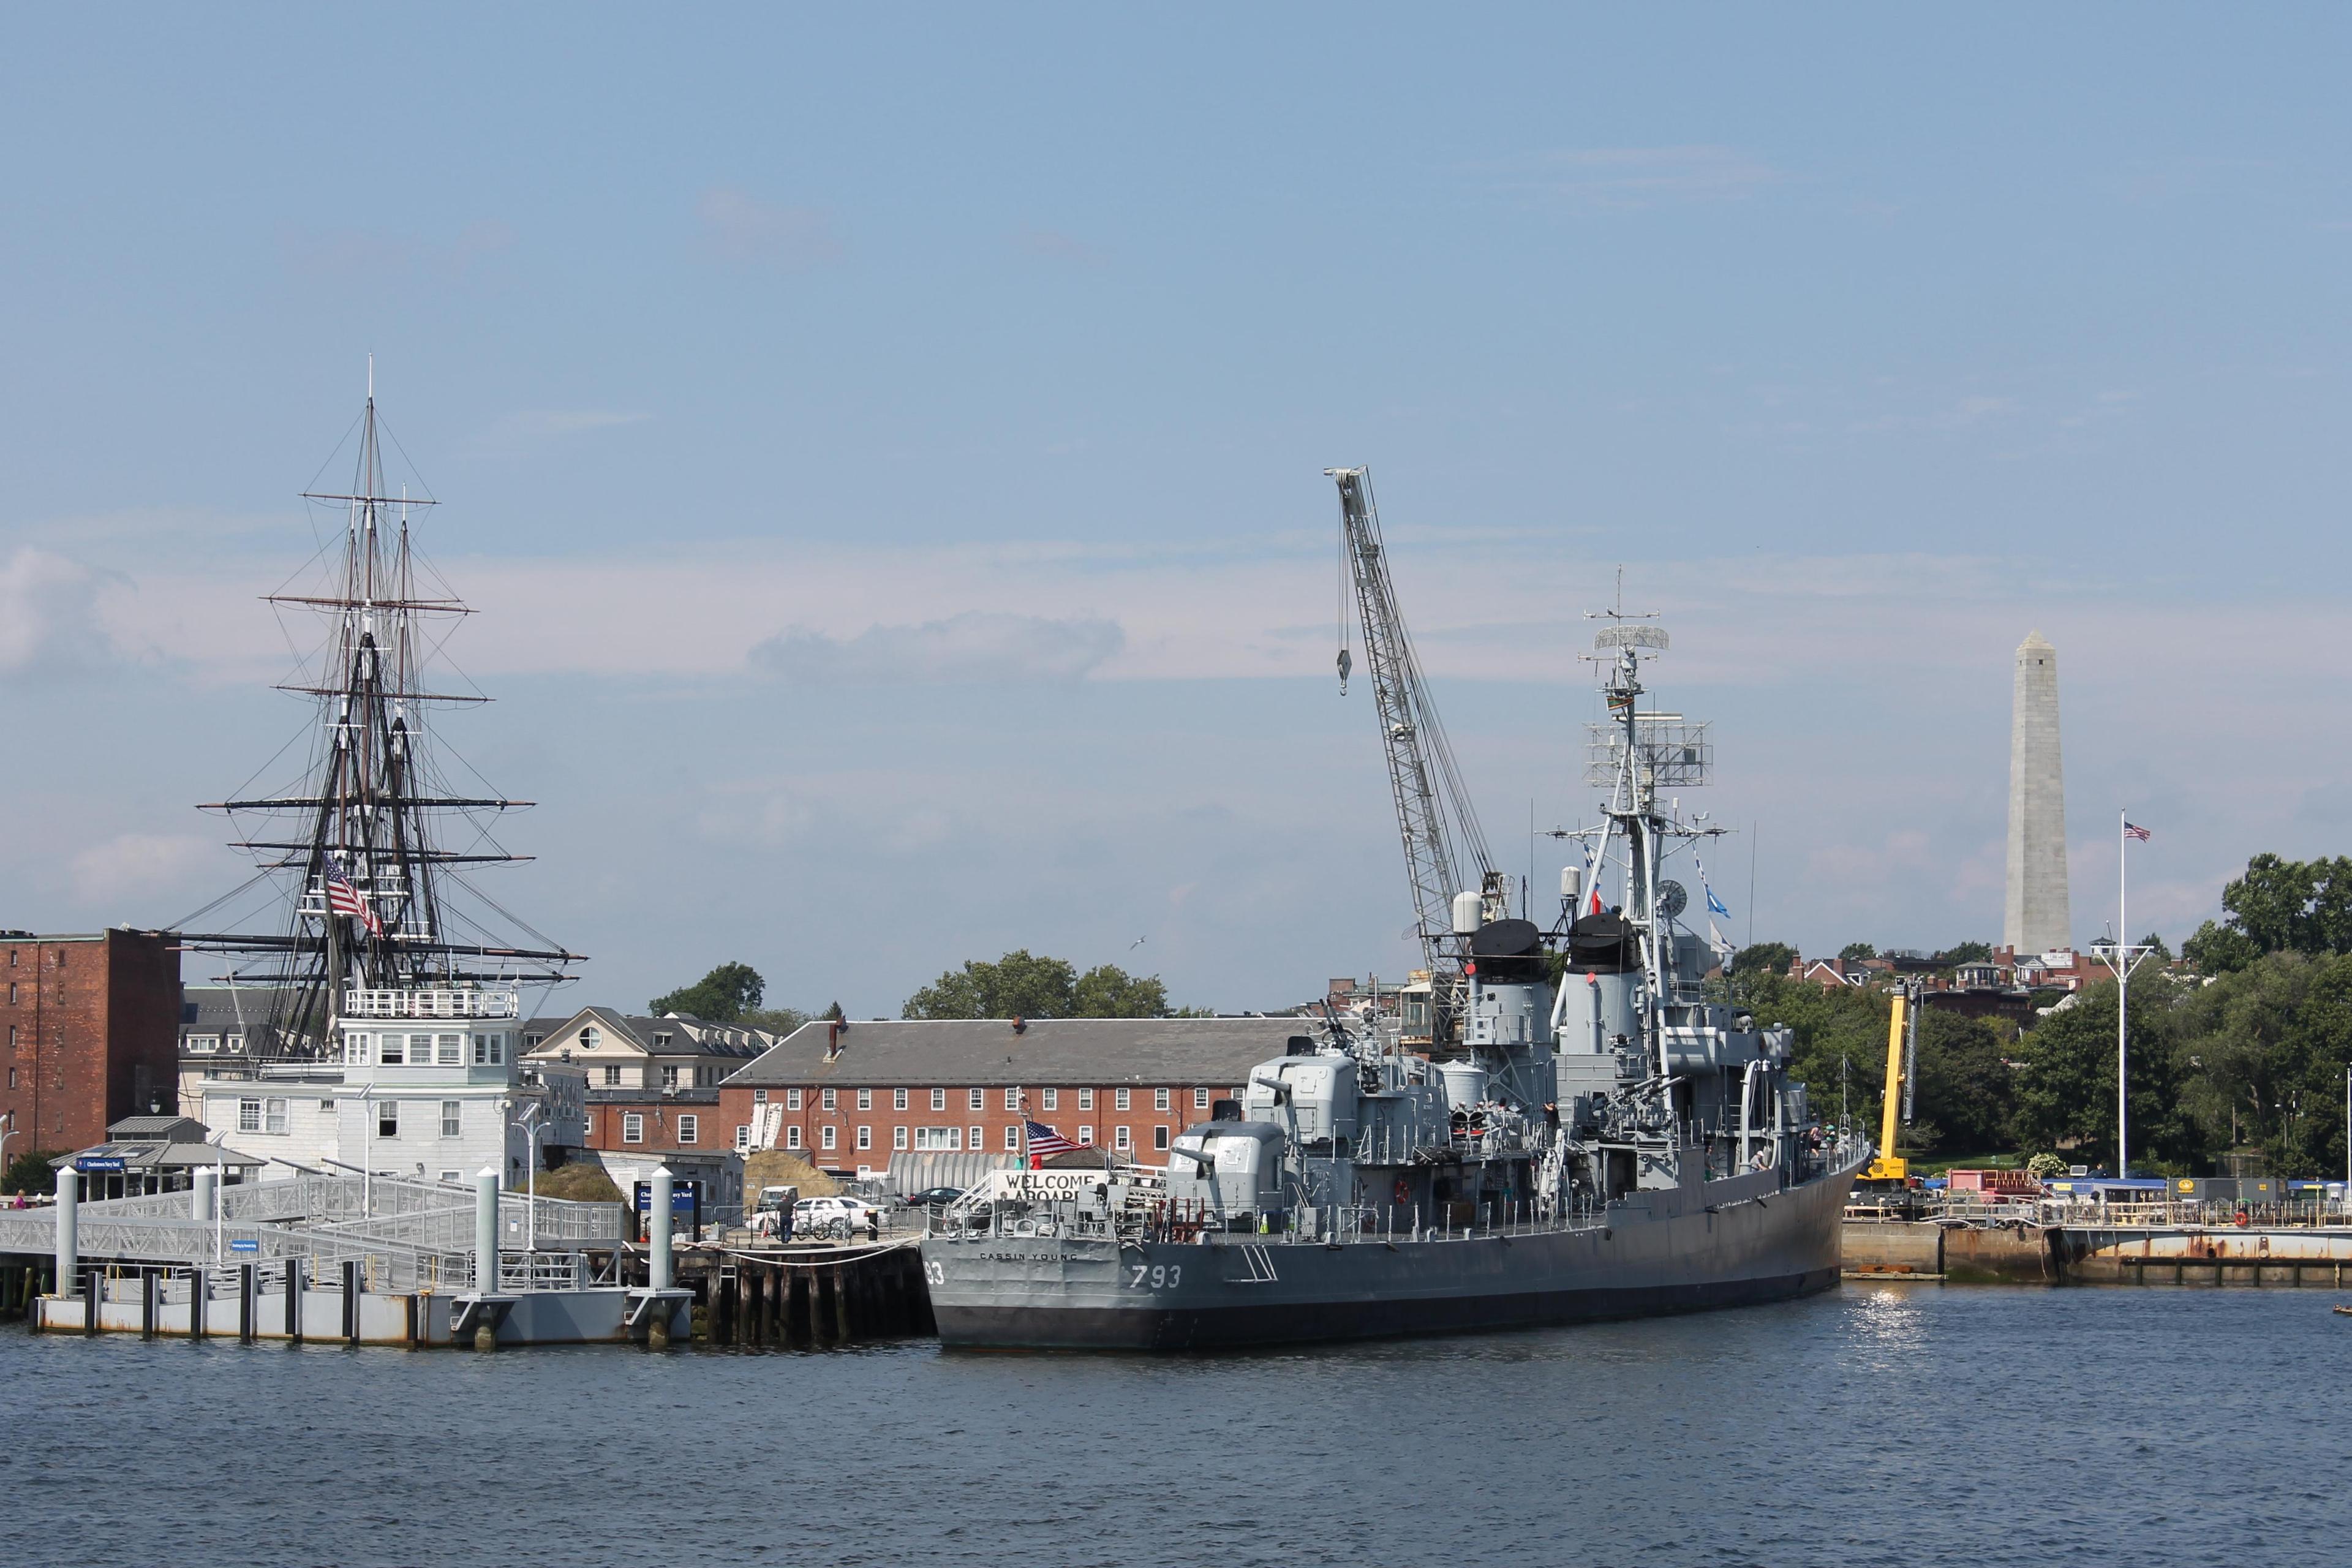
[451,1050]
[759,1097]
[866,1138]
[938,1138]
[612,1075]
[1200,1099]
[897,1099]
[793,1137]
[248,1115]
[938,1099]
[865,1100]
[387,1116]
[792,1100]
[979,1137]
[1121,1095]
[633,1127]
[1121,1140]
[1012,1140]
[689,1129]
[1086,1099]
[452,1118]
[1158,1099]
[273,1115]
[897,1138]
[828,1135]
[1086,1134]
[203,1045]
[978,1100]
[392,1051]
[1011,1100]
[420,1050]
[742,1140]
[1053,1097]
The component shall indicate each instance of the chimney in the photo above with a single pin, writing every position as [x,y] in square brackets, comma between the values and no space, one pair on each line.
[833,1038]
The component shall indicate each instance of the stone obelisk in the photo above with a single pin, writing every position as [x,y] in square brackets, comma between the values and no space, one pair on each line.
[2035,919]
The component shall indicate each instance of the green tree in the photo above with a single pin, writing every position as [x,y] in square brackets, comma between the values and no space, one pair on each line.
[1852,950]
[1967,1091]
[2066,1079]
[775,1020]
[1022,985]
[1964,953]
[2278,906]
[30,1172]
[2264,1050]
[1763,958]
[721,996]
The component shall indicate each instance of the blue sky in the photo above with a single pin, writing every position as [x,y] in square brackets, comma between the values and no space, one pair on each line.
[888,451]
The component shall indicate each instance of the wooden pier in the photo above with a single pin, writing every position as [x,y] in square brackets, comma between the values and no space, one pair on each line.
[807,1297]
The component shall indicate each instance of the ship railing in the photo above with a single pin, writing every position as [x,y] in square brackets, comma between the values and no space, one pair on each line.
[1194,1221]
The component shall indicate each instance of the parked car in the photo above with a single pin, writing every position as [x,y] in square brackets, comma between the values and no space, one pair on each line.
[834,1218]
[933,1197]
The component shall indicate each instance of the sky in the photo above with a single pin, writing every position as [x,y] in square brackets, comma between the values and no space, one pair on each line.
[886,451]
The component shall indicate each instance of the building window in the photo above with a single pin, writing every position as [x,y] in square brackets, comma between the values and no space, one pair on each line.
[1086,1099]
[938,1139]
[669,1076]
[979,1138]
[792,1100]
[387,1119]
[828,1135]
[590,1037]
[452,1050]
[1053,1097]
[327,1104]
[1120,1096]
[742,1140]
[1200,1099]
[938,1099]
[420,1050]
[489,1051]
[1120,1139]
[979,1100]
[827,1100]
[248,1115]
[792,1136]
[1158,1099]
[612,1075]
[450,1114]
[198,1045]
[1160,1138]
[660,1040]
[1085,1135]
[390,1051]
[233,1042]
[633,1127]
[1012,1140]
[897,1138]
[689,1130]
[897,1099]
[866,1138]
[759,1097]
[1011,1100]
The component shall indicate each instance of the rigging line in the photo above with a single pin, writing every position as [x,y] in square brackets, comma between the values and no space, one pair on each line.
[530,930]
[384,426]
[339,447]
[238,793]
[193,915]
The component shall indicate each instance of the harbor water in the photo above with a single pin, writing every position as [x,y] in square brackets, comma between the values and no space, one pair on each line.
[1899,1423]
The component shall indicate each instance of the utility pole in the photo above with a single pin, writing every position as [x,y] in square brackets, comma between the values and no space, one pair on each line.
[2122,956]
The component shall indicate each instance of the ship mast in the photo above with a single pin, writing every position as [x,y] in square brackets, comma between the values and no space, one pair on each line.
[367,905]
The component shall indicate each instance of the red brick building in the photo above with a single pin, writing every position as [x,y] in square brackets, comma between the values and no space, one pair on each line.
[851,1098]
[91,1027]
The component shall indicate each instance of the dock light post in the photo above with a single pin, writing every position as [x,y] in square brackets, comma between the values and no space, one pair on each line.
[69,1237]
[9,1130]
[532,1129]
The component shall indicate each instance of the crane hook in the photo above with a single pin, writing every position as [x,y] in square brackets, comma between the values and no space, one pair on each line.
[1346,664]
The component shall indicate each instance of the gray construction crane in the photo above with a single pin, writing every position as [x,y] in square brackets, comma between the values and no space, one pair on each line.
[1433,814]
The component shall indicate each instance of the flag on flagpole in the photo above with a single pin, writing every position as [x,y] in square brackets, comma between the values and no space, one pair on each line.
[1713,904]
[2133,830]
[343,898]
[1044,1140]
[1717,940]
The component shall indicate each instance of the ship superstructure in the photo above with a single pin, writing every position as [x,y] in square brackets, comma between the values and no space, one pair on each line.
[1601,1137]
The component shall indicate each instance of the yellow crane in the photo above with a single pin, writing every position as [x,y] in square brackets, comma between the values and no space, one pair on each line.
[1885,1165]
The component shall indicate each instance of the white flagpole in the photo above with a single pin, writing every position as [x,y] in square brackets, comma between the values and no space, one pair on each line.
[2123,989]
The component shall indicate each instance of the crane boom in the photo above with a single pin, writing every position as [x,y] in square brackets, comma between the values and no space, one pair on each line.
[1433,814]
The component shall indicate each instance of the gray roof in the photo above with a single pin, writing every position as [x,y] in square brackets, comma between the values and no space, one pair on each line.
[687,1036]
[1170,1052]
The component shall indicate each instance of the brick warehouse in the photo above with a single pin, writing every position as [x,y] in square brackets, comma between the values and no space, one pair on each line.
[92,1028]
[851,1098]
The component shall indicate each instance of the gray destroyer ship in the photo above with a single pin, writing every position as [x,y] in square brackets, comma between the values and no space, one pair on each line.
[1599,1138]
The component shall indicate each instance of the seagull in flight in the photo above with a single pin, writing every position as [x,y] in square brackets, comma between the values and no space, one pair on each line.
[1136,943]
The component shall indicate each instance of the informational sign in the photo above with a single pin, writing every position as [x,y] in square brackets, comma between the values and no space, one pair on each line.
[245,1243]
[683,1197]
[99,1162]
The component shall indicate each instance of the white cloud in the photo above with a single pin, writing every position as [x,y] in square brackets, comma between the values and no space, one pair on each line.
[134,867]
[975,645]
[49,613]
[742,228]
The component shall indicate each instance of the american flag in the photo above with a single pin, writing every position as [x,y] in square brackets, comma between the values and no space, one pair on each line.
[343,898]
[1044,1140]
[2134,830]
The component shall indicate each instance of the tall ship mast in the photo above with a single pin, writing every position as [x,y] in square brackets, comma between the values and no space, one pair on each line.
[1601,1137]
[366,851]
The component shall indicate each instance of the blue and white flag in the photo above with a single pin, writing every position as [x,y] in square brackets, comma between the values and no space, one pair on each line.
[1713,904]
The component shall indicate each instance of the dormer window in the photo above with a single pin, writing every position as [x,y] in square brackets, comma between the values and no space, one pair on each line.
[660,1040]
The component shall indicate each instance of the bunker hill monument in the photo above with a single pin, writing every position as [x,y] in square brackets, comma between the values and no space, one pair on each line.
[2035,918]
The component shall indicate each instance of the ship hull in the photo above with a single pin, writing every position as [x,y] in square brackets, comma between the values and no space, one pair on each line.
[1725,1244]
